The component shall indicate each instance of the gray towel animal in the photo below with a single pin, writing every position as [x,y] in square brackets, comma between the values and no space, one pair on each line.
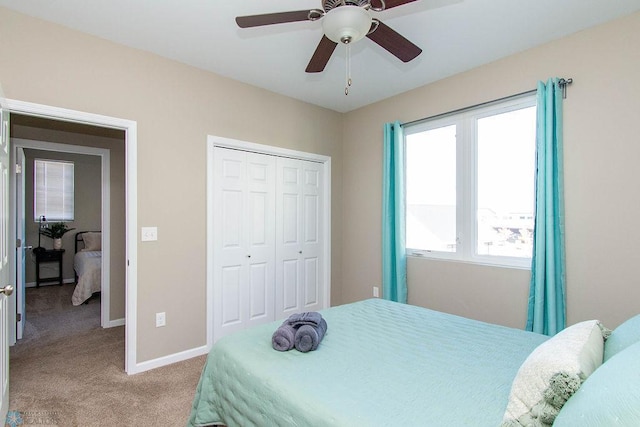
[304,331]
[283,338]
[308,337]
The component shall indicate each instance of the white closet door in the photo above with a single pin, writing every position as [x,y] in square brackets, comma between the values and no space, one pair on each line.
[299,251]
[244,248]
[312,242]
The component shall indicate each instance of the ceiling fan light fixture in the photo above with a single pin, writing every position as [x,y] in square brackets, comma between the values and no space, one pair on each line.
[346,24]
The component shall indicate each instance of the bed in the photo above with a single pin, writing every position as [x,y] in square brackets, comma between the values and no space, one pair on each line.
[395,364]
[87,263]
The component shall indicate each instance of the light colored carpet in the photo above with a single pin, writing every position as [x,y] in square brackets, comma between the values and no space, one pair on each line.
[68,371]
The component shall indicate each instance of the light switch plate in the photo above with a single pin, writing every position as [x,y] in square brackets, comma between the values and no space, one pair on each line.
[149,234]
[161,319]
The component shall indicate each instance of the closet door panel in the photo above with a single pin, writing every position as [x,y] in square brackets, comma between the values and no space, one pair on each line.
[311,245]
[288,262]
[259,218]
[261,294]
[232,205]
[298,235]
[231,295]
[311,225]
[229,269]
[311,284]
[288,236]
[231,219]
[290,229]
[244,243]
[289,291]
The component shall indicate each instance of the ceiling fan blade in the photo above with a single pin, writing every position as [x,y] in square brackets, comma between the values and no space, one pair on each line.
[388,4]
[397,45]
[272,18]
[321,56]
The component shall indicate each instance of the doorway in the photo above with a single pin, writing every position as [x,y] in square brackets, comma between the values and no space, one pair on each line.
[96,179]
[128,130]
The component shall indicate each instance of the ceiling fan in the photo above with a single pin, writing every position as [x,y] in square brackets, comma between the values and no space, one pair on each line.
[346,22]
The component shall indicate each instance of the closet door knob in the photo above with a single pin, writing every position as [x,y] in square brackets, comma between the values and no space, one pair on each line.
[7,290]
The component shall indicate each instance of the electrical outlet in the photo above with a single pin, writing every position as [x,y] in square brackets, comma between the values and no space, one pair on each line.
[161,319]
[376,292]
[149,234]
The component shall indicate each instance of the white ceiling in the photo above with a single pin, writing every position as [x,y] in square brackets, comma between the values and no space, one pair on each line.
[455,36]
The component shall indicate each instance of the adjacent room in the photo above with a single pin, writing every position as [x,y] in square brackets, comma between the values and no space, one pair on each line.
[377,162]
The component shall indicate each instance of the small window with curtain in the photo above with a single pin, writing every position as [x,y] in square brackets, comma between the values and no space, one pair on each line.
[53,190]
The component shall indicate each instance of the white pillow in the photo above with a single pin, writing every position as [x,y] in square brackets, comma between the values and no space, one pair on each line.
[92,241]
[552,373]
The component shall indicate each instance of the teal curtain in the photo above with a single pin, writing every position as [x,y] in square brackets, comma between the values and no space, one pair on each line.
[546,313]
[394,260]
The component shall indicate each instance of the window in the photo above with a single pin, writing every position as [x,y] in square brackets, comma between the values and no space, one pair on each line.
[53,195]
[470,184]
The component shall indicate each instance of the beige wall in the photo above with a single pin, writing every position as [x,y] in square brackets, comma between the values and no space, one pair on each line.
[175,107]
[602,149]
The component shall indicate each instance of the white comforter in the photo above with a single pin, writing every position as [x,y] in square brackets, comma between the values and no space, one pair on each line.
[88,266]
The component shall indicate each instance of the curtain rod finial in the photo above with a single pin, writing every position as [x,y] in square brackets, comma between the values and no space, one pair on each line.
[563,83]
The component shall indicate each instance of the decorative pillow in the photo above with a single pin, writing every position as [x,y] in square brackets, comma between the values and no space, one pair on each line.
[622,337]
[92,241]
[609,397]
[552,373]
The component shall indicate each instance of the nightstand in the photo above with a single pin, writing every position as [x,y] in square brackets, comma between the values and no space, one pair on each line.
[49,255]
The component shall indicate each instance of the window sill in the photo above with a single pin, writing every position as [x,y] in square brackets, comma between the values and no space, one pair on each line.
[524,265]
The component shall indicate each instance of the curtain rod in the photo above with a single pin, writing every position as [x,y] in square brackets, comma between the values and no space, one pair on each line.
[563,83]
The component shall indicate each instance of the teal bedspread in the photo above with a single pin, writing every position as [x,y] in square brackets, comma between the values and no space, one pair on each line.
[379,363]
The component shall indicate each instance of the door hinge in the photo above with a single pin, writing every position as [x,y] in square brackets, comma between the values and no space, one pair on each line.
[18,317]
[18,168]
[18,243]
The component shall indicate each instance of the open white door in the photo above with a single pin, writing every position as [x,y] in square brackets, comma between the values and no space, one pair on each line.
[21,248]
[5,276]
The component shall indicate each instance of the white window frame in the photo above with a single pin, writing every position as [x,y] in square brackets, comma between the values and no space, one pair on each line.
[50,218]
[466,181]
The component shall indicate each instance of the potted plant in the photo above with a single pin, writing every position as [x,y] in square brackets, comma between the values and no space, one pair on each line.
[55,231]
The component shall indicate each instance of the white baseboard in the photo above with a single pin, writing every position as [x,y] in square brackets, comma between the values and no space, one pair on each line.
[114,323]
[33,284]
[167,360]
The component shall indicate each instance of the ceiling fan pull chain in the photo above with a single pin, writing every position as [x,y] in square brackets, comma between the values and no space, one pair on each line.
[348,63]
